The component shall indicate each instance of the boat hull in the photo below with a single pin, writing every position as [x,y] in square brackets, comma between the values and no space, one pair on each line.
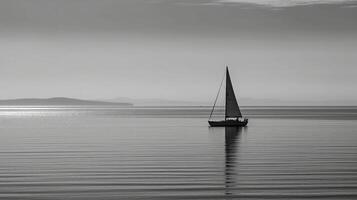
[225,123]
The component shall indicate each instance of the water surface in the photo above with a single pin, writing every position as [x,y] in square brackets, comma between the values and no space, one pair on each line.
[171,153]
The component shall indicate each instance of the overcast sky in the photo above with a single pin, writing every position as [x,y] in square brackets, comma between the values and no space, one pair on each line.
[177,49]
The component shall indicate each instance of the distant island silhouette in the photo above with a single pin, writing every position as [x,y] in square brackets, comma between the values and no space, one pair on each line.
[58,101]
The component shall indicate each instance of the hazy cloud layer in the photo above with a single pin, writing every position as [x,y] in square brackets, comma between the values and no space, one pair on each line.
[286,3]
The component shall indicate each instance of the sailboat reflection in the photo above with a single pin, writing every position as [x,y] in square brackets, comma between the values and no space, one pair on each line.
[232,138]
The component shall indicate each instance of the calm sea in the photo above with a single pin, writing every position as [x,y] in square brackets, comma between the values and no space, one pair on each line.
[170,153]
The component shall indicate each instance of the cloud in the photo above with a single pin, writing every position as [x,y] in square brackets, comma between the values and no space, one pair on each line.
[286,3]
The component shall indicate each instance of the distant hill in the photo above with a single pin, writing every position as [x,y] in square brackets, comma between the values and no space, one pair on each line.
[59,101]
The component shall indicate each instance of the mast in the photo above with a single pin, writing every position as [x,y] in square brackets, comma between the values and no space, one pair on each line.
[232,108]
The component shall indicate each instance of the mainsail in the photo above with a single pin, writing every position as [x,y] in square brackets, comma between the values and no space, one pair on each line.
[232,108]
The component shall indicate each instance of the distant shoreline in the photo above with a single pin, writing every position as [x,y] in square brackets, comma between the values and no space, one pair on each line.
[64,101]
[59,101]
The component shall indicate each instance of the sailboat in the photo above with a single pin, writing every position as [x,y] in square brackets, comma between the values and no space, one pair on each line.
[233,116]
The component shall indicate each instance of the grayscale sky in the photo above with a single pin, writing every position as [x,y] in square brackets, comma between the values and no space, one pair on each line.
[177,49]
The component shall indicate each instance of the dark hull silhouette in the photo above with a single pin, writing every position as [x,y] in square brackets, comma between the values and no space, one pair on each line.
[223,123]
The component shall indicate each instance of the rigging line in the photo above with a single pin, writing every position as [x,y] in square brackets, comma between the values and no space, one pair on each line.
[215,101]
